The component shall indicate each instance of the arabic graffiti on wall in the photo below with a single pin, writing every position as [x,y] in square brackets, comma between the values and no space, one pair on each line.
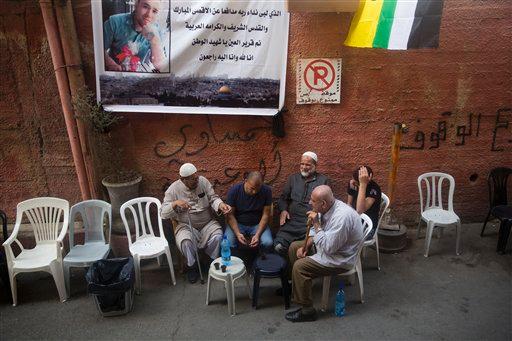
[269,164]
[446,127]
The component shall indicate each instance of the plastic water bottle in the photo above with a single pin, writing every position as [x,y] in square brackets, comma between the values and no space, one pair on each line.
[339,307]
[225,251]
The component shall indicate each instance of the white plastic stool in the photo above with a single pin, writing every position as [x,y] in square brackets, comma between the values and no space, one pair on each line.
[233,272]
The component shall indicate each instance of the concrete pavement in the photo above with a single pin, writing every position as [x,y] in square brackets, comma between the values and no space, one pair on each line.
[443,297]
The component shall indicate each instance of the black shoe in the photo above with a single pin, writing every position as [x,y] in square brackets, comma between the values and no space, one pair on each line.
[279,291]
[302,315]
[192,274]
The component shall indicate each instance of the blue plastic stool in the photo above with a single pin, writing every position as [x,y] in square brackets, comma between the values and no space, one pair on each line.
[270,266]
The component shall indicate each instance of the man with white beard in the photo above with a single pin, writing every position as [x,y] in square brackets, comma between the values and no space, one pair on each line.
[294,202]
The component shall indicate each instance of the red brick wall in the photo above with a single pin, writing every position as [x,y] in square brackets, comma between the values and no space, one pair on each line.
[469,74]
[35,157]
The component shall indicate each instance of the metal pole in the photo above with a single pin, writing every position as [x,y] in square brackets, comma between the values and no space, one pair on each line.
[195,242]
[395,154]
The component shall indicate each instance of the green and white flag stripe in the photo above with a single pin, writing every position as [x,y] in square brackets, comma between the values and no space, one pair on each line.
[396,24]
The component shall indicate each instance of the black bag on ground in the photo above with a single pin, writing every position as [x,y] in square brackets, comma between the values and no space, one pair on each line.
[109,280]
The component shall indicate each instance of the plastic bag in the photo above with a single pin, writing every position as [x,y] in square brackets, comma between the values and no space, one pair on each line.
[109,279]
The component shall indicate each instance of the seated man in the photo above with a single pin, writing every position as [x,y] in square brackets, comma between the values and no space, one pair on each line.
[338,231]
[250,202]
[294,202]
[192,196]
[364,195]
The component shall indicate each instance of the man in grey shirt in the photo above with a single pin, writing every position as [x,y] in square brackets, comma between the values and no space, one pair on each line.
[294,202]
[338,232]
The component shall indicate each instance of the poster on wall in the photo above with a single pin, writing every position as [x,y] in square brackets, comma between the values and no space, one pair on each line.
[318,81]
[196,57]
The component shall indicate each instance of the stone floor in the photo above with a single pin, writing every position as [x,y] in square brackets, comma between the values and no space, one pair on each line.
[443,297]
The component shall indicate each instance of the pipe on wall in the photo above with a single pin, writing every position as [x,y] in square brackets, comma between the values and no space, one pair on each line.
[50,24]
[395,156]
[73,60]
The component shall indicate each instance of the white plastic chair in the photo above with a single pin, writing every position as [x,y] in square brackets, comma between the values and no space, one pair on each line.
[94,247]
[146,244]
[357,269]
[384,204]
[432,211]
[44,215]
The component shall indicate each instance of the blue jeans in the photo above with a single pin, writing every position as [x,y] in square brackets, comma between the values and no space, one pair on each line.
[265,238]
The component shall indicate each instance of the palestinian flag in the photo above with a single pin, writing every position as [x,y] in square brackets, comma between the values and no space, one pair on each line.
[396,24]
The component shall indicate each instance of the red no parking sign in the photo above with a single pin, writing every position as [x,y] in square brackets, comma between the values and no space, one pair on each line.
[319,74]
[318,81]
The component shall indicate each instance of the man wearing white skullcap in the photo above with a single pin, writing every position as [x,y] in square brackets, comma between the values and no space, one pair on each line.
[294,202]
[193,194]
[187,169]
[311,155]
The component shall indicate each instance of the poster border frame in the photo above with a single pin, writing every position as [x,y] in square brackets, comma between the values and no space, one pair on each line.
[97,21]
